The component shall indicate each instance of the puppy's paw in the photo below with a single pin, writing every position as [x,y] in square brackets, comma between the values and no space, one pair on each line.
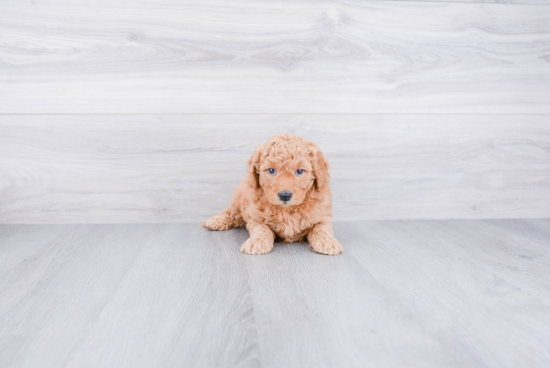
[218,222]
[327,245]
[257,246]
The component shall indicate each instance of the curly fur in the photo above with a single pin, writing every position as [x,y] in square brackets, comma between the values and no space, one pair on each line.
[256,205]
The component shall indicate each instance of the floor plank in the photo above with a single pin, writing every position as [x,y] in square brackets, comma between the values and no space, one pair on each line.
[273,57]
[332,312]
[450,275]
[521,259]
[176,168]
[158,295]
[455,293]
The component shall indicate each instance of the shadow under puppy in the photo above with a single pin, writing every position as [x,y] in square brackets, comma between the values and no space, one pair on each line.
[285,196]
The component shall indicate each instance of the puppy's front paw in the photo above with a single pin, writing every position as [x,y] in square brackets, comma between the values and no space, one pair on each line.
[327,245]
[218,222]
[257,246]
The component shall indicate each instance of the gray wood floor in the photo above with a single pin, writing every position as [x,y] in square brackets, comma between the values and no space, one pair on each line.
[460,293]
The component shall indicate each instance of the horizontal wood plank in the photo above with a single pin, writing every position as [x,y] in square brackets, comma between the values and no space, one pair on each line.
[538,2]
[273,57]
[173,168]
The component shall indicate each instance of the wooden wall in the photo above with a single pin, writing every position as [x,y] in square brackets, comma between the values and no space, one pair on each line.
[146,111]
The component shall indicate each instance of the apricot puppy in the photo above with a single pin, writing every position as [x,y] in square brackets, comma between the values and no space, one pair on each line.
[285,196]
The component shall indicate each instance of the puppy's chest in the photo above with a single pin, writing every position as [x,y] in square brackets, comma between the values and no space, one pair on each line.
[290,227]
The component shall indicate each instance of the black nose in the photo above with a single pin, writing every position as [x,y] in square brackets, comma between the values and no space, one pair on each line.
[285,196]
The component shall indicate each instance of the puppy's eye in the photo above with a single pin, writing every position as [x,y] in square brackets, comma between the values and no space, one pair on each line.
[271,171]
[299,172]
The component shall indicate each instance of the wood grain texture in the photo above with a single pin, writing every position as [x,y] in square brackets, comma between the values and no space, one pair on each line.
[538,2]
[457,293]
[142,296]
[184,168]
[463,275]
[273,57]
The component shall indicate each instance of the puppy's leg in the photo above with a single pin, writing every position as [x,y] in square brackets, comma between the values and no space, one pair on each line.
[225,220]
[260,241]
[321,239]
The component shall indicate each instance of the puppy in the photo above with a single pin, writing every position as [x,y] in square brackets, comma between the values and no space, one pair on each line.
[284,196]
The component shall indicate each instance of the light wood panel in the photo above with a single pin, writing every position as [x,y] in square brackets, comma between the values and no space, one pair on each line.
[173,168]
[425,294]
[538,2]
[273,57]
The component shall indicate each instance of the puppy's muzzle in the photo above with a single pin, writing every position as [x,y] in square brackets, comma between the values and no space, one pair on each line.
[285,196]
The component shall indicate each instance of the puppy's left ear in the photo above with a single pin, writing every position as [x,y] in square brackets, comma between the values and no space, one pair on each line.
[319,164]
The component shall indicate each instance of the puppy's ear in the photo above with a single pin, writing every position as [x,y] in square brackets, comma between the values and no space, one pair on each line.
[254,167]
[319,164]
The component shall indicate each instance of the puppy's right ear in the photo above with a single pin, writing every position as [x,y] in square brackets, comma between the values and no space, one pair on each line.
[254,167]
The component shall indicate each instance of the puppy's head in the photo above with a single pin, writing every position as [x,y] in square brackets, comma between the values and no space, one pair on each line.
[286,168]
